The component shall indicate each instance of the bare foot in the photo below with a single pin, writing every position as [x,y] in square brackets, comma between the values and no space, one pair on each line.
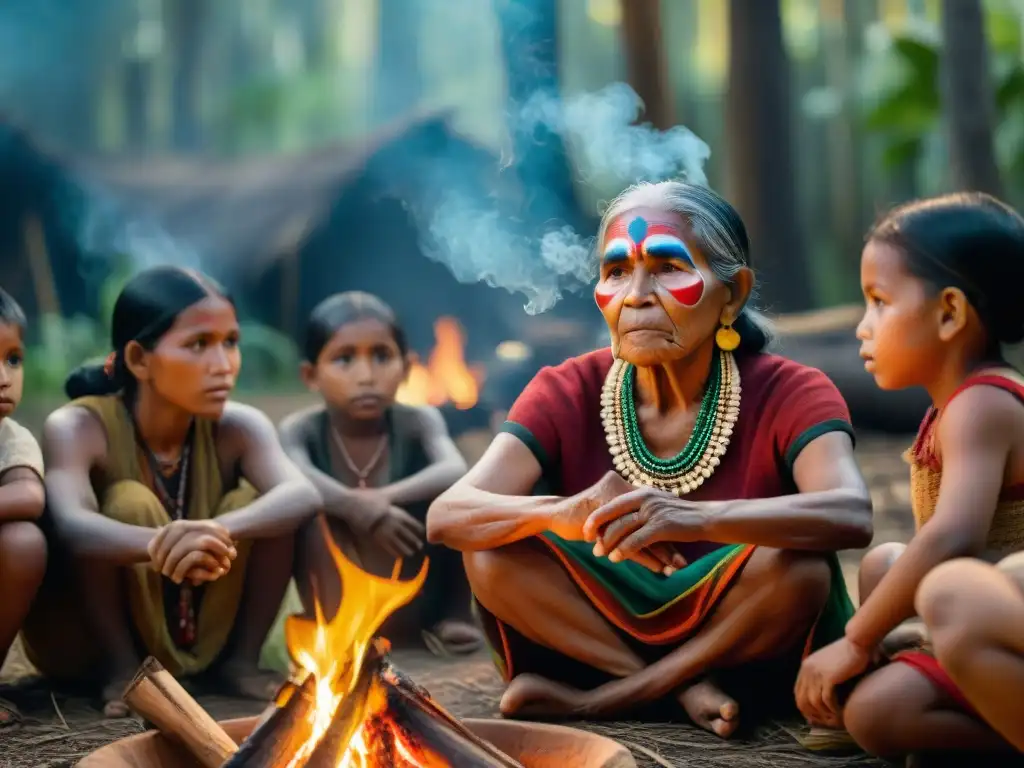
[247,681]
[114,707]
[710,708]
[456,637]
[536,696]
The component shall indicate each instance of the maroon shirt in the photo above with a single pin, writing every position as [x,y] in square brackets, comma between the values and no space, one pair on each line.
[784,406]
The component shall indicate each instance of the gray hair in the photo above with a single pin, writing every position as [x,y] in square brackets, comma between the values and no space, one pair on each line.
[718,231]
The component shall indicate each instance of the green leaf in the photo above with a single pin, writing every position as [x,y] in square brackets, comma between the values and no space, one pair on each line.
[1002,26]
[901,152]
[920,56]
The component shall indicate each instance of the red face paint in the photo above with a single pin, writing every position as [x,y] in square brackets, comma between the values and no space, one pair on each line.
[603,297]
[632,238]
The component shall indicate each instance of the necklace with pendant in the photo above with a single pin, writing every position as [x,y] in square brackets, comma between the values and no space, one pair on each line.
[687,470]
[185,633]
[362,473]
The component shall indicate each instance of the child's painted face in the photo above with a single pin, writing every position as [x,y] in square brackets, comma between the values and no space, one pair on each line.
[359,370]
[196,363]
[899,331]
[12,372]
[656,291]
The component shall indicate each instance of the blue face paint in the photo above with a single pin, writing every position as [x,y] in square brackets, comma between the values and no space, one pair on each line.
[637,229]
[667,247]
[618,249]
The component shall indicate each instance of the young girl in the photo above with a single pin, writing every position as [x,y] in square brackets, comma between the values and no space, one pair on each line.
[942,283]
[171,507]
[378,465]
[22,545]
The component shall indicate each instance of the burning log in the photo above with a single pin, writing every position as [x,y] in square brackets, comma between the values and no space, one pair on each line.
[156,696]
[402,687]
[418,714]
[351,710]
[351,714]
[284,728]
[384,720]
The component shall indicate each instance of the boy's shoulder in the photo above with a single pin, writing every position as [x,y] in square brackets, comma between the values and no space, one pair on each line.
[19,448]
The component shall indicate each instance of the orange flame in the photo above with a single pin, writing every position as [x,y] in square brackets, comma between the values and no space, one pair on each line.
[334,651]
[446,377]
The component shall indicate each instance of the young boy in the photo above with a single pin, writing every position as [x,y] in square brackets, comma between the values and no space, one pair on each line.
[22,545]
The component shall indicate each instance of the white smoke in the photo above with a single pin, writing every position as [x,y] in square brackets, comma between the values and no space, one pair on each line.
[479,244]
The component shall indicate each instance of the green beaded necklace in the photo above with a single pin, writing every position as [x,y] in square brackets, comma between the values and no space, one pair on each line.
[695,447]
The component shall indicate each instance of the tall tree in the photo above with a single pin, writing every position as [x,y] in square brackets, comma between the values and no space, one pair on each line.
[185,26]
[398,85]
[760,155]
[646,66]
[968,96]
[529,43]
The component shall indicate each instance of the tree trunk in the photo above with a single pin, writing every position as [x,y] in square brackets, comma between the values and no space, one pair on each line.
[646,66]
[398,85]
[968,97]
[843,41]
[760,158]
[185,25]
[529,42]
[137,86]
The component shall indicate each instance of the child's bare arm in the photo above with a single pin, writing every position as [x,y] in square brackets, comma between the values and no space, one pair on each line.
[295,433]
[975,435]
[21,495]
[73,444]
[287,498]
[446,463]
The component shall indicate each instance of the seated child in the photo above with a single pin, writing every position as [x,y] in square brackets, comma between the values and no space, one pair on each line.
[974,613]
[941,279]
[378,464]
[22,544]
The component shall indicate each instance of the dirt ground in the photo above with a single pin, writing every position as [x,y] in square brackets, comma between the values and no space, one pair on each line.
[61,729]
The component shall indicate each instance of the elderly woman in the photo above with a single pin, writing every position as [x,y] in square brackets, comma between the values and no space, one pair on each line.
[686,543]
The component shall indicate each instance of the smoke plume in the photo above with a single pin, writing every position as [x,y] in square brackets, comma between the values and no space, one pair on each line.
[479,240]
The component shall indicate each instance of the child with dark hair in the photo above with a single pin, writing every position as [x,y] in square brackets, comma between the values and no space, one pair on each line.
[172,507]
[378,464]
[22,544]
[942,281]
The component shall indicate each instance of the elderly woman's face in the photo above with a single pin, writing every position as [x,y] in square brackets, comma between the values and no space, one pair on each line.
[659,297]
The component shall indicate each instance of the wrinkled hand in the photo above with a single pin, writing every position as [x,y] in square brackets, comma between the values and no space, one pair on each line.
[568,522]
[821,673]
[644,518]
[571,523]
[196,550]
[399,533]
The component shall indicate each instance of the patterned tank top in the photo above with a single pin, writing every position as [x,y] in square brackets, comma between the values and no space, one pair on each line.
[1007,531]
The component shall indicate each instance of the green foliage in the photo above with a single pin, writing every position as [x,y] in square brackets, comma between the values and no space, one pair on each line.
[270,360]
[63,344]
[906,107]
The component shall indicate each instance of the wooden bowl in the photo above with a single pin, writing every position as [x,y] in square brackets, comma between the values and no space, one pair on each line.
[535,745]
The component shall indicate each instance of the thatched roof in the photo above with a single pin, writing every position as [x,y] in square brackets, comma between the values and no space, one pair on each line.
[253,210]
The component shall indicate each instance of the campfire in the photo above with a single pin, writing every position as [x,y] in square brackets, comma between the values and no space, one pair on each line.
[346,706]
[446,378]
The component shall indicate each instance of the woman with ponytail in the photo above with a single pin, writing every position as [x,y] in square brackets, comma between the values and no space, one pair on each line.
[171,509]
[698,488]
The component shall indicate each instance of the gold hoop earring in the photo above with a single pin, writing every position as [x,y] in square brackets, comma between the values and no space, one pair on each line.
[727,338]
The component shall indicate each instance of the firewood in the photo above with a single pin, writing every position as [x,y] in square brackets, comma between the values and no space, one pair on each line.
[349,717]
[434,729]
[284,728]
[403,685]
[156,696]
